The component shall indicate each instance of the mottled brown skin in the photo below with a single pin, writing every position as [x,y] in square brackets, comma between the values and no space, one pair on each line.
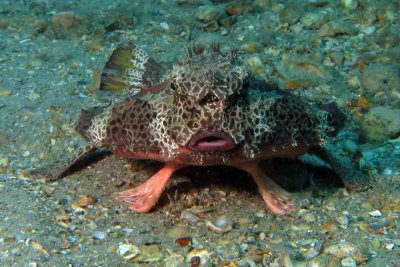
[205,111]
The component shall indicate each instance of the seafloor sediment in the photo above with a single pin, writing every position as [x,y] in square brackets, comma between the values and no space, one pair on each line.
[52,54]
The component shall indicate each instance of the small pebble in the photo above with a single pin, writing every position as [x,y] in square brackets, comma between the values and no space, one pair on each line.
[390,246]
[380,77]
[208,14]
[84,201]
[375,243]
[128,251]
[177,232]
[260,214]
[164,26]
[256,65]
[343,221]
[348,262]
[189,216]
[252,47]
[334,27]
[375,213]
[4,162]
[380,123]
[387,172]
[313,20]
[99,235]
[309,217]
[220,225]
[345,250]
[349,4]
[4,92]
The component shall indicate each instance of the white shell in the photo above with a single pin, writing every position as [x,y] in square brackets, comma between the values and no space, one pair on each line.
[128,251]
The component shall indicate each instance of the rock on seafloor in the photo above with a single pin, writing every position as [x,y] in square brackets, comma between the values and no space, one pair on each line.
[381,123]
[380,77]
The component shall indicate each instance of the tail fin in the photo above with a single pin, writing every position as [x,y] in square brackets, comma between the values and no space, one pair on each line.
[130,69]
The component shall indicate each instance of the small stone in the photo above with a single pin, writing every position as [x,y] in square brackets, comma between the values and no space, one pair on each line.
[164,26]
[33,95]
[290,14]
[49,190]
[244,220]
[220,225]
[389,246]
[227,21]
[189,216]
[207,14]
[343,221]
[186,2]
[369,30]
[354,81]
[203,255]
[239,8]
[380,77]
[330,226]
[388,172]
[149,253]
[5,92]
[302,69]
[337,57]
[67,24]
[128,251]
[376,243]
[349,4]
[4,162]
[177,232]
[313,20]
[212,26]
[348,262]
[375,213]
[4,23]
[309,249]
[256,65]
[174,260]
[366,205]
[309,217]
[262,236]
[260,214]
[99,235]
[63,20]
[334,28]
[346,249]
[252,47]
[84,201]
[380,123]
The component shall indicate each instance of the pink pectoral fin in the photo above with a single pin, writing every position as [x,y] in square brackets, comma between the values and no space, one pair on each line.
[143,197]
[275,197]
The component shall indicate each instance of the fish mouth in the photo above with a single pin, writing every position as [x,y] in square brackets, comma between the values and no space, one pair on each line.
[208,140]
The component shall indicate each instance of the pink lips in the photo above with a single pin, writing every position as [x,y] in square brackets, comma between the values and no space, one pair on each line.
[208,140]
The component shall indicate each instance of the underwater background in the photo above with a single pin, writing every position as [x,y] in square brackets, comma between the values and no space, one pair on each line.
[51,60]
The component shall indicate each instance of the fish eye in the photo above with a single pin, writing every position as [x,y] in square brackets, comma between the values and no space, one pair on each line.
[173,87]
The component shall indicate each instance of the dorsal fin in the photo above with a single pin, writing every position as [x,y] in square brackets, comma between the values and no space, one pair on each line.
[130,69]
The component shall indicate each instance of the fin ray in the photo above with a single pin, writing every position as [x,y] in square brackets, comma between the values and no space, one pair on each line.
[130,69]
